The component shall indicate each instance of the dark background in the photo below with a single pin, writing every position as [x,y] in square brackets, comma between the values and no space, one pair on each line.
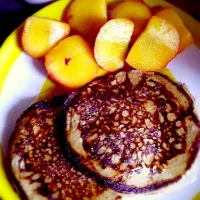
[14,12]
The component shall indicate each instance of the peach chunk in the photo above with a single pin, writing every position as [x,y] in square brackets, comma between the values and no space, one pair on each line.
[102,72]
[71,63]
[136,11]
[40,35]
[112,42]
[155,47]
[86,17]
[170,15]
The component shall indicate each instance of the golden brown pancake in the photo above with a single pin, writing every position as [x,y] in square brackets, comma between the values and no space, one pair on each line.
[135,131]
[37,162]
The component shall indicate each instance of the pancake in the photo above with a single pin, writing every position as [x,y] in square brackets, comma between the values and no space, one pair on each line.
[135,131]
[36,159]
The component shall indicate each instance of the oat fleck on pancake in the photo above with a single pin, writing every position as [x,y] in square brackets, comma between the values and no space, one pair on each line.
[136,131]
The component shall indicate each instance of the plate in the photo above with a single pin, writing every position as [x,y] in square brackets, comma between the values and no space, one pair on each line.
[24,79]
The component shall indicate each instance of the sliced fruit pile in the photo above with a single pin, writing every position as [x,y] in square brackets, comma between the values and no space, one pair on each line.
[105,38]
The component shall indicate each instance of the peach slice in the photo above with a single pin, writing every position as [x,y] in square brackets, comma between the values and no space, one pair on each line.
[86,17]
[102,72]
[185,35]
[112,42]
[71,63]
[40,35]
[155,47]
[136,11]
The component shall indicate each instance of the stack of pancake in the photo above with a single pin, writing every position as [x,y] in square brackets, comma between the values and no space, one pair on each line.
[128,132]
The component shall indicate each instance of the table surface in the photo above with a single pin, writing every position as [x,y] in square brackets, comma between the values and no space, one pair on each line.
[14,12]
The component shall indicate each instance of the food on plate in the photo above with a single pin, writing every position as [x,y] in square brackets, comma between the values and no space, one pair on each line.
[136,11]
[157,45]
[185,35]
[112,42]
[136,131]
[71,63]
[86,17]
[40,35]
[124,132]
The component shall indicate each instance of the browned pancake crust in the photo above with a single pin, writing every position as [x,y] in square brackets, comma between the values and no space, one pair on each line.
[37,160]
[130,123]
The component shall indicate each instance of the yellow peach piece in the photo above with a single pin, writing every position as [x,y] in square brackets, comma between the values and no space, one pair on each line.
[71,63]
[136,11]
[86,17]
[157,45]
[112,42]
[185,35]
[102,72]
[40,35]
